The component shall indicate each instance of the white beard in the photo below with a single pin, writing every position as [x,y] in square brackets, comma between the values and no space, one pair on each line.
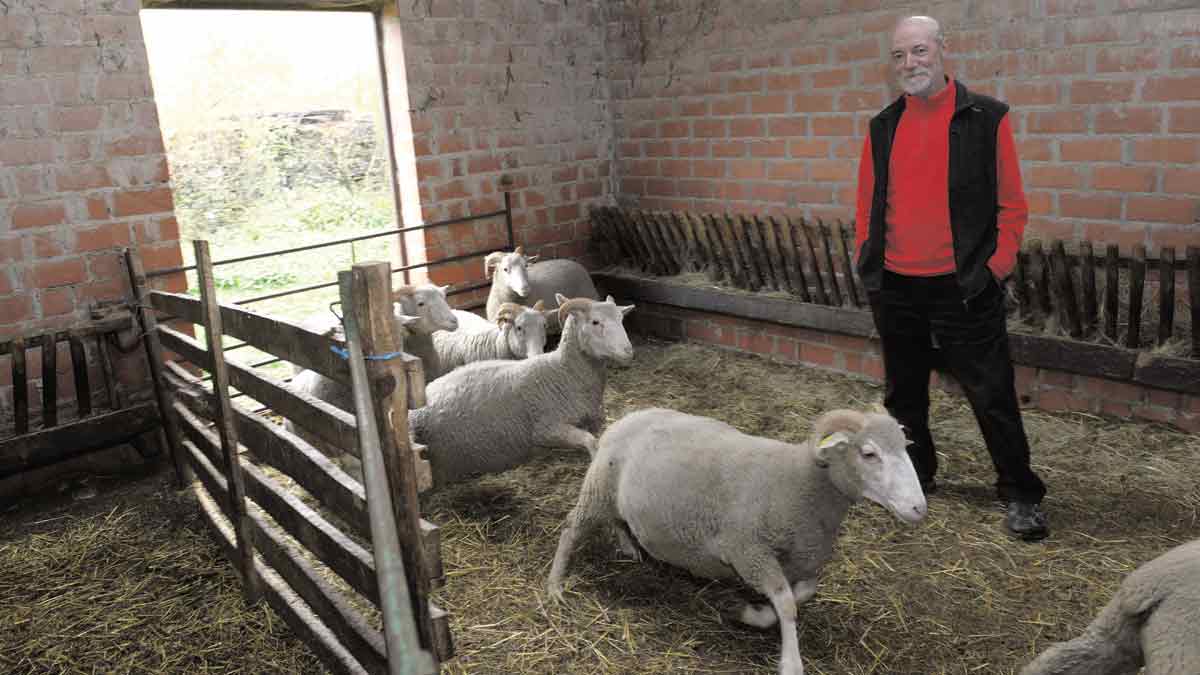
[916,83]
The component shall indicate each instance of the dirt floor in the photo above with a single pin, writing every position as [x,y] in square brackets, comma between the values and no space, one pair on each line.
[951,595]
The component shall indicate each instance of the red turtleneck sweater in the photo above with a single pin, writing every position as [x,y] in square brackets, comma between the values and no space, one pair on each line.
[919,242]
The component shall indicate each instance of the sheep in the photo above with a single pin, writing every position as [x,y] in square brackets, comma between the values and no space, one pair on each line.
[489,416]
[419,311]
[1152,621]
[516,279]
[519,332]
[699,494]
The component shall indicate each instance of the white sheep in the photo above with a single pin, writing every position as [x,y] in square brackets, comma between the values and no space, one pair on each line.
[418,312]
[516,279]
[1153,620]
[490,416]
[519,332]
[699,494]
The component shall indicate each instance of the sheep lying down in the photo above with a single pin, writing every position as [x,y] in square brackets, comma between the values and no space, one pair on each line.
[697,493]
[1153,620]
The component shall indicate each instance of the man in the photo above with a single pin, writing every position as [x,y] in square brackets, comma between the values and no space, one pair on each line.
[939,221]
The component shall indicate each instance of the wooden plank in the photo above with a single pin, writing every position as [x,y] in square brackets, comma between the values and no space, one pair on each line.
[736,263]
[21,388]
[443,642]
[721,250]
[273,444]
[1064,291]
[282,598]
[79,367]
[147,324]
[331,546]
[676,249]
[746,254]
[196,429]
[1087,279]
[117,321]
[344,621]
[835,292]
[1137,283]
[626,250]
[51,445]
[695,258]
[1193,272]
[1020,285]
[649,241]
[775,256]
[111,387]
[1168,372]
[642,258]
[760,271]
[325,421]
[795,262]
[49,381]
[1041,283]
[213,333]
[1166,294]
[1042,351]
[278,337]
[822,296]
[369,288]
[712,261]
[778,310]
[1112,275]
[210,476]
[848,265]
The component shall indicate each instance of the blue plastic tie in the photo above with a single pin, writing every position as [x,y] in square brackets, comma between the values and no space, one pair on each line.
[369,357]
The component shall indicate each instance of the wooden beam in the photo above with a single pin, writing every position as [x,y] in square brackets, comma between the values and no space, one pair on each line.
[1112,284]
[111,323]
[49,381]
[1168,372]
[1137,283]
[1087,279]
[278,337]
[1040,351]
[1193,274]
[79,368]
[1166,294]
[20,388]
[52,445]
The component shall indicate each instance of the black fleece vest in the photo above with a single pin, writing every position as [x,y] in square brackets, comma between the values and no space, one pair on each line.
[974,204]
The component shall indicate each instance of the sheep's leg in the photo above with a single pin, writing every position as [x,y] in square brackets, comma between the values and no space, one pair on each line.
[626,542]
[579,523]
[765,575]
[1108,645]
[763,616]
[566,436]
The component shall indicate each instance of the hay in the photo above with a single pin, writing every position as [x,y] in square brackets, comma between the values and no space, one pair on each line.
[133,582]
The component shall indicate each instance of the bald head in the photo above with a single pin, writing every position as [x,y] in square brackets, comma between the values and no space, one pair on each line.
[917,48]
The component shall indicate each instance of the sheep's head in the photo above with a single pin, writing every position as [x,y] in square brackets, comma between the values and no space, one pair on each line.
[597,327]
[424,309]
[867,457]
[524,328]
[509,269]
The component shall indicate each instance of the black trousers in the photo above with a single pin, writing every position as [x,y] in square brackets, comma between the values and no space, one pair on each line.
[910,313]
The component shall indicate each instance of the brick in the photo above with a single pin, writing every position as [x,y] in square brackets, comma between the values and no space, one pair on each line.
[1185,56]
[1126,59]
[747,169]
[1034,149]
[796,171]
[1097,207]
[833,171]
[721,64]
[808,56]
[1056,122]
[1092,30]
[1062,400]
[747,84]
[1155,414]
[135,146]
[1054,176]
[809,147]
[1171,88]
[1117,409]
[1184,120]
[475,165]
[724,107]
[769,104]
[757,343]
[787,126]
[1128,119]
[825,79]
[57,302]
[1054,62]
[1101,91]
[114,235]
[1173,150]
[833,126]
[860,50]
[38,214]
[709,129]
[708,168]
[161,256]
[82,177]
[1020,94]
[740,128]
[24,152]
[767,60]
[676,168]
[58,273]
[1091,150]
[15,309]
[1178,210]
[1123,178]
[47,245]
[776,148]
[1123,235]
[1040,202]
[729,149]
[693,108]
[1181,181]
[817,354]
[781,82]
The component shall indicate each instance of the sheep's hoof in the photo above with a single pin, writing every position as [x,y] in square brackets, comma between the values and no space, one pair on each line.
[554,591]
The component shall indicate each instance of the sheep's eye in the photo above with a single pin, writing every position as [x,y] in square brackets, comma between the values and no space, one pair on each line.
[420,304]
[520,330]
[595,322]
[506,268]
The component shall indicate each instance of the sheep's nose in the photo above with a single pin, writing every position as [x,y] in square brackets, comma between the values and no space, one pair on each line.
[921,509]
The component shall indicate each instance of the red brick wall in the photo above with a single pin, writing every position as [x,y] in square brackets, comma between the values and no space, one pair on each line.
[82,168]
[767,111]
[1037,387]
[498,89]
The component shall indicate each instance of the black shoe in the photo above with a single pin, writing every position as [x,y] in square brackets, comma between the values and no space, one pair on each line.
[928,485]
[1026,521]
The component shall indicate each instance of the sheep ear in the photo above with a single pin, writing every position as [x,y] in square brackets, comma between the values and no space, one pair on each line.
[444,289]
[406,320]
[532,259]
[626,309]
[539,305]
[520,250]
[610,300]
[830,444]
[490,262]
[560,298]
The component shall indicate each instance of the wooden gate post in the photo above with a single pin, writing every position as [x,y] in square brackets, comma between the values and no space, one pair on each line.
[372,311]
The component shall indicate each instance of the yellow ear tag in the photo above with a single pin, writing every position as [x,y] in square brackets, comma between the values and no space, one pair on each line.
[833,439]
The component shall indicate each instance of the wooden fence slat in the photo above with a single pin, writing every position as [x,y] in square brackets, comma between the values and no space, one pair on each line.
[721,251]
[758,249]
[749,257]
[278,337]
[79,367]
[787,255]
[625,256]
[347,623]
[848,264]
[1112,276]
[712,261]
[695,258]
[1040,279]
[195,428]
[649,239]
[212,480]
[1087,279]
[20,388]
[213,335]
[1064,288]
[1193,272]
[1166,294]
[1020,286]
[835,292]
[1137,284]
[116,321]
[733,248]
[774,255]
[643,258]
[676,249]
[49,381]
[822,295]
[49,445]
[794,260]
[371,282]
[111,387]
